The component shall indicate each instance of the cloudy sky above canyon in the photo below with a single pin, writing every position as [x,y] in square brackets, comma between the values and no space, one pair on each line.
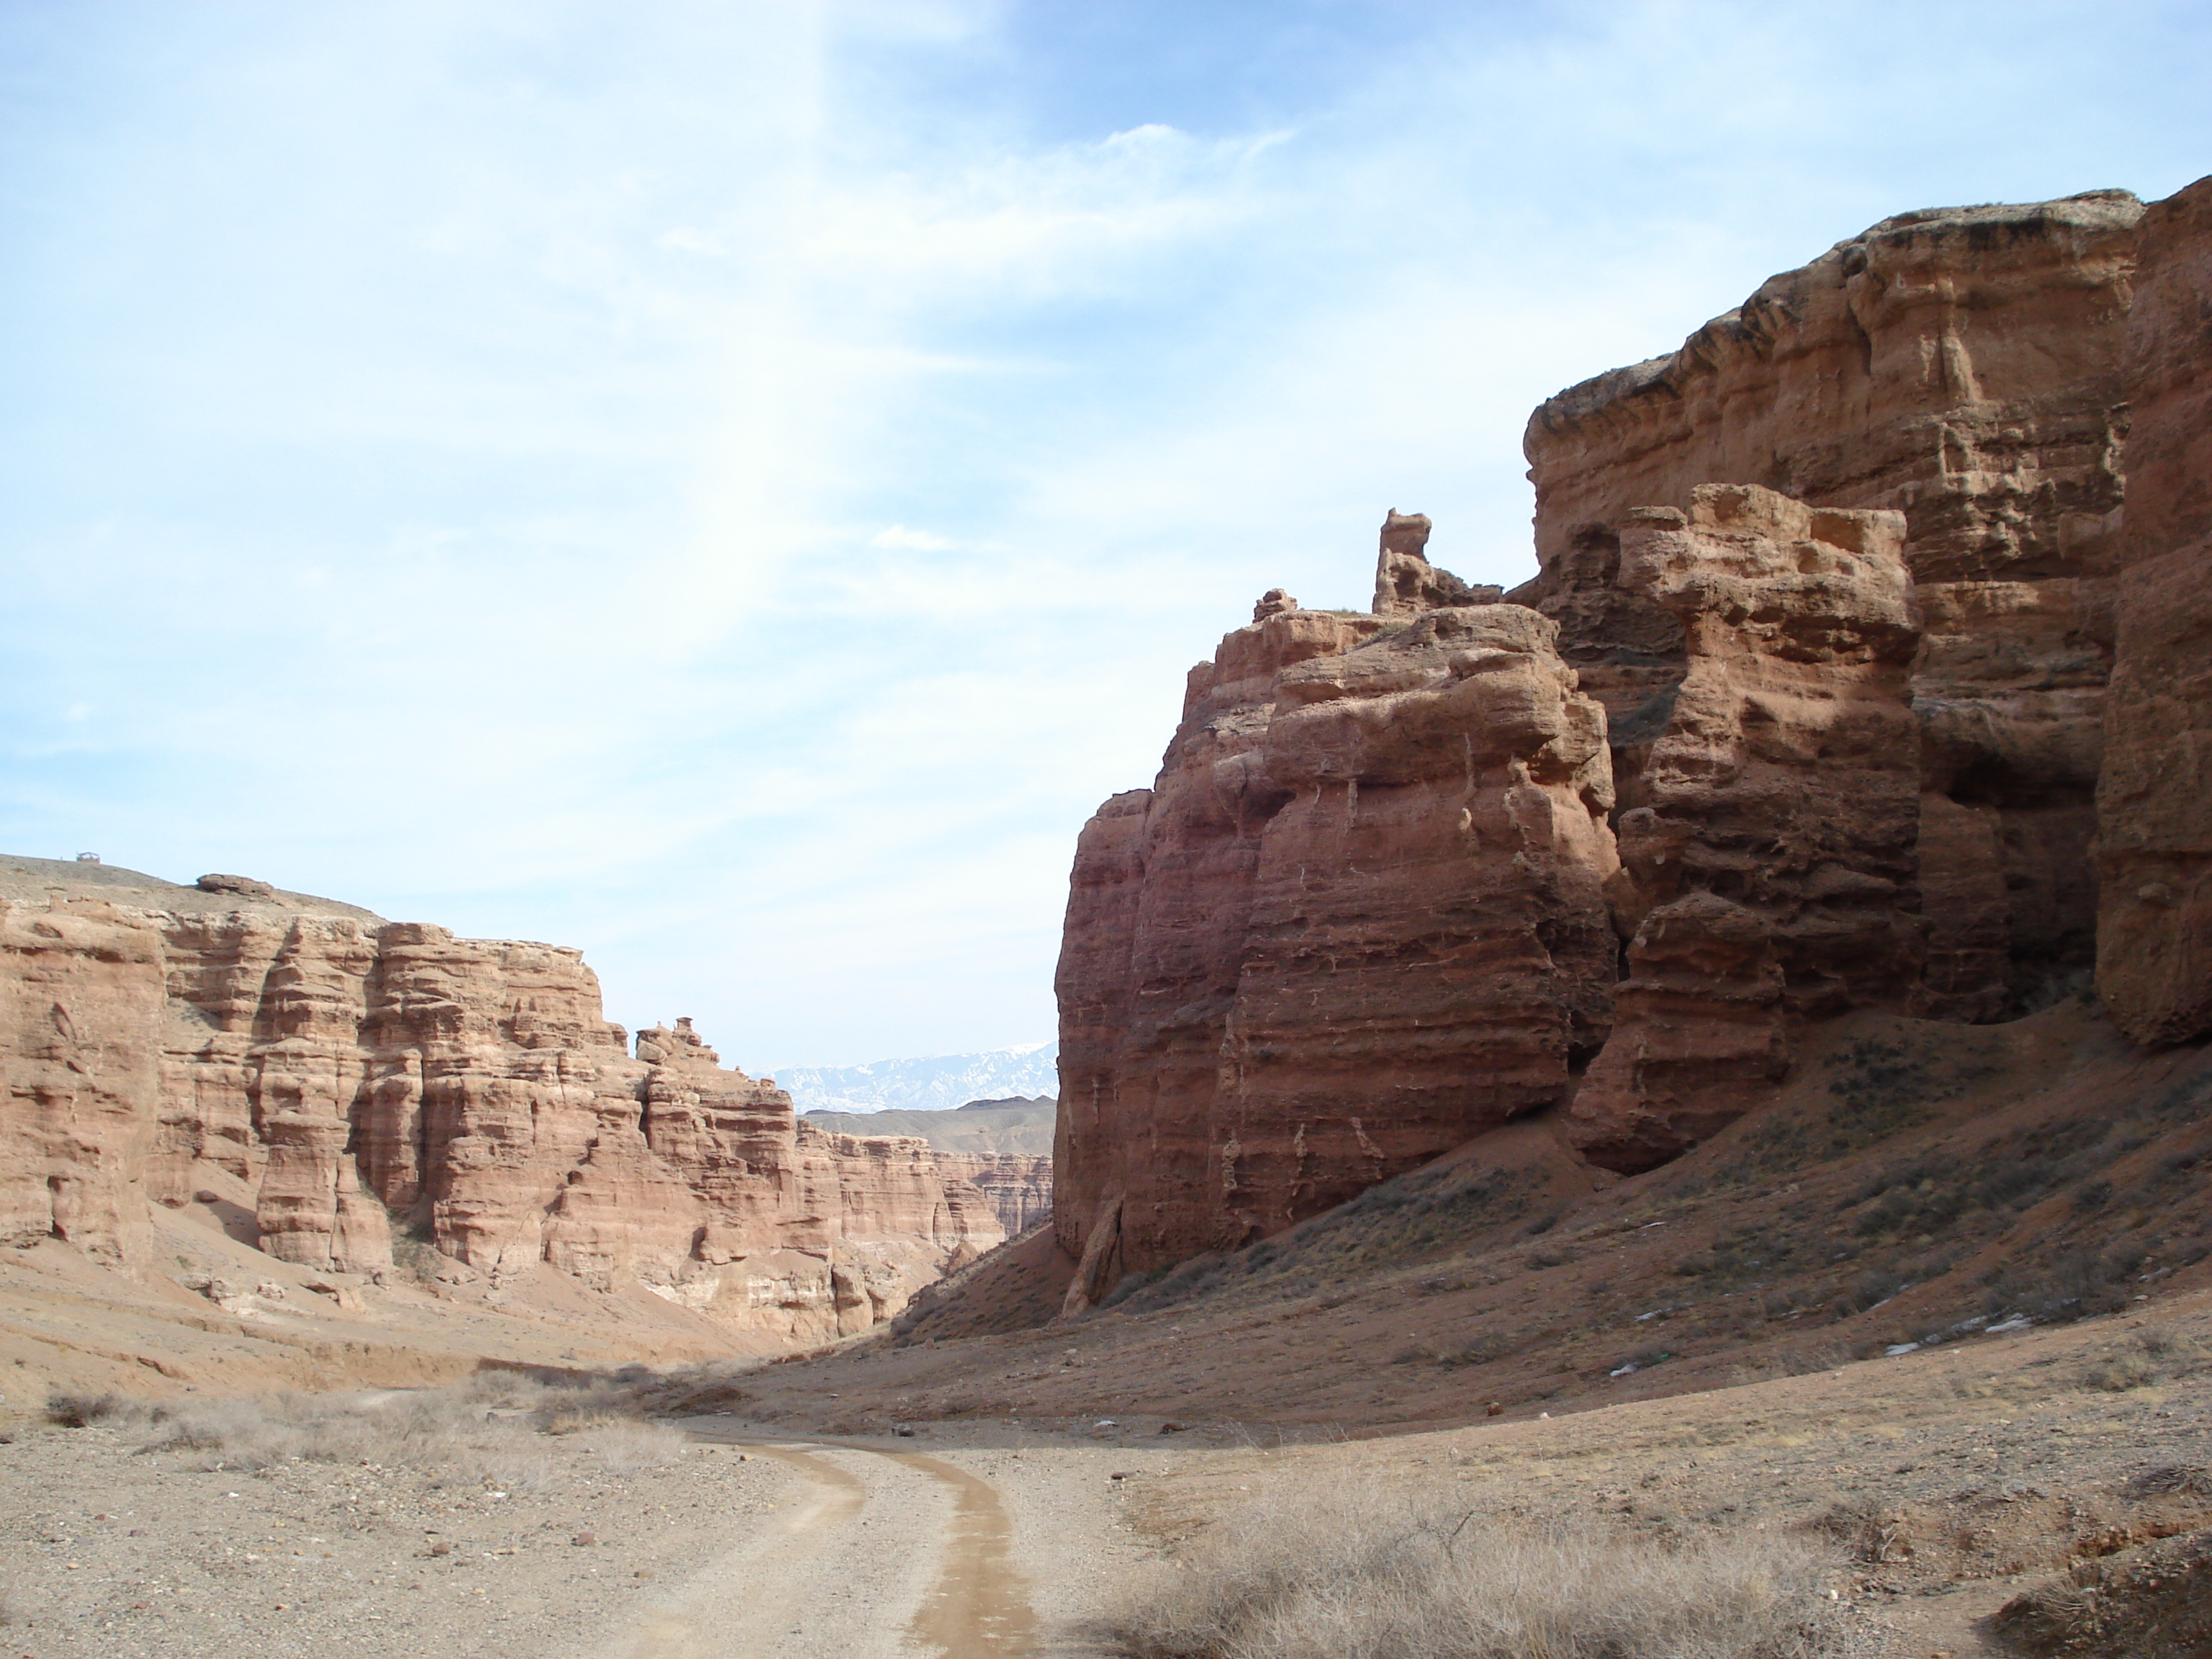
[731,486]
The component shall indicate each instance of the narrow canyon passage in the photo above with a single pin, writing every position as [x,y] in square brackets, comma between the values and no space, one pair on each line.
[880,1555]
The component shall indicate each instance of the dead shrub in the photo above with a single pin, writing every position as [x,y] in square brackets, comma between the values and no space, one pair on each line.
[439,1432]
[77,1409]
[628,1447]
[2144,1359]
[1365,1572]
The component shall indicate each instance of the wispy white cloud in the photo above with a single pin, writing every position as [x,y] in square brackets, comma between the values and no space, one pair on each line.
[730,487]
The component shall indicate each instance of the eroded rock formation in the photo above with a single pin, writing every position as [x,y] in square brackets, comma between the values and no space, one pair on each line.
[1767,859]
[1017,1186]
[330,1074]
[2155,799]
[1821,712]
[81,1022]
[1961,367]
[1359,918]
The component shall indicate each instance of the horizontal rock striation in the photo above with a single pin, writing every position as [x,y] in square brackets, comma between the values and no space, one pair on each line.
[1961,367]
[1768,864]
[2154,798]
[1844,682]
[335,1075]
[1017,1186]
[1359,918]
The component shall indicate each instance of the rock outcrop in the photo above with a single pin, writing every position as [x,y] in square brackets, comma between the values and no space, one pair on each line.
[1017,1186]
[1359,918]
[1767,852]
[81,998]
[1961,367]
[2154,798]
[332,1073]
[1002,1148]
[1811,686]
[1405,583]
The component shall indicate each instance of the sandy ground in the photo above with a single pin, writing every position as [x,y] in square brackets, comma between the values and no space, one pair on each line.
[987,1541]
[1945,1482]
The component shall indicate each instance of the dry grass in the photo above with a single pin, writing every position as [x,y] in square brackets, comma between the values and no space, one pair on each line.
[2145,1358]
[489,1430]
[1374,1573]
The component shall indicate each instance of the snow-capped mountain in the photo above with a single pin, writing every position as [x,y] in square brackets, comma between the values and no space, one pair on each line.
[934,1083]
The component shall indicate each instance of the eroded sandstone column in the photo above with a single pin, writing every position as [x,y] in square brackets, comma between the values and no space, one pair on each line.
[1359,919]
[1768,867]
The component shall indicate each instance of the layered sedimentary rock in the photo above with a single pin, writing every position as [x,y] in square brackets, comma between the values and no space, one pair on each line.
[331,1073]
[1768,864]
[2154,798]
[1961,367]
[1002,1148]
[80,1048]
[1849,575]
[1359,918]
[1017,1186]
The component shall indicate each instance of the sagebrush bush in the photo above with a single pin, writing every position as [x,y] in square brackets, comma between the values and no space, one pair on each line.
[1354,1572]
[486,1430]
[435,1430]
[77,1409]
[2143,1359]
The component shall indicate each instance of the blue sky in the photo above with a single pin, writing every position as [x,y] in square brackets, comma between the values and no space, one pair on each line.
[731,486]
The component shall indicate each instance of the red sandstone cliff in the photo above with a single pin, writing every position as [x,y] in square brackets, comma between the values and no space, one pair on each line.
[1822,718]
[1767,863]
[2154,798]
[1359,918]
[326,1073]
[1961,367]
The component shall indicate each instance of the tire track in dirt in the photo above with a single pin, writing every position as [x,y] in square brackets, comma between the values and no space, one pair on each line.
[979,1608]
[801,1587]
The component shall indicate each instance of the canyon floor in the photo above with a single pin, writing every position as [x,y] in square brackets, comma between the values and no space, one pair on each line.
[1942,1307]
[1944,1483]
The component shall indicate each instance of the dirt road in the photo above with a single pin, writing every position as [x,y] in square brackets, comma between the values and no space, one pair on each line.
[881,1553]
[980,1542]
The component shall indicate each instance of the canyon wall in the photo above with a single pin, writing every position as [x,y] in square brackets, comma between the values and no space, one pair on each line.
[1961,367]
[1359,918]
[1002,1148]
[2155,799]
[1805,710]
[334,1078]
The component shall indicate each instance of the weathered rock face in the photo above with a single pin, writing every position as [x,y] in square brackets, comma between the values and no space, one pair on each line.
[1405,583]
[1847,575]
[1358,919]
[80,1028]
[335,1072]
[2154,798]
[1767,851]
[1961,367]
[1017,1186]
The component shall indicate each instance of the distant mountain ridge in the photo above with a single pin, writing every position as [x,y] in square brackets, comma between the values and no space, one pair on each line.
[932,1082]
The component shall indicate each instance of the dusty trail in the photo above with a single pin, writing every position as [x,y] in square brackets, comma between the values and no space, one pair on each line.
[886,1554]
[979,1608]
